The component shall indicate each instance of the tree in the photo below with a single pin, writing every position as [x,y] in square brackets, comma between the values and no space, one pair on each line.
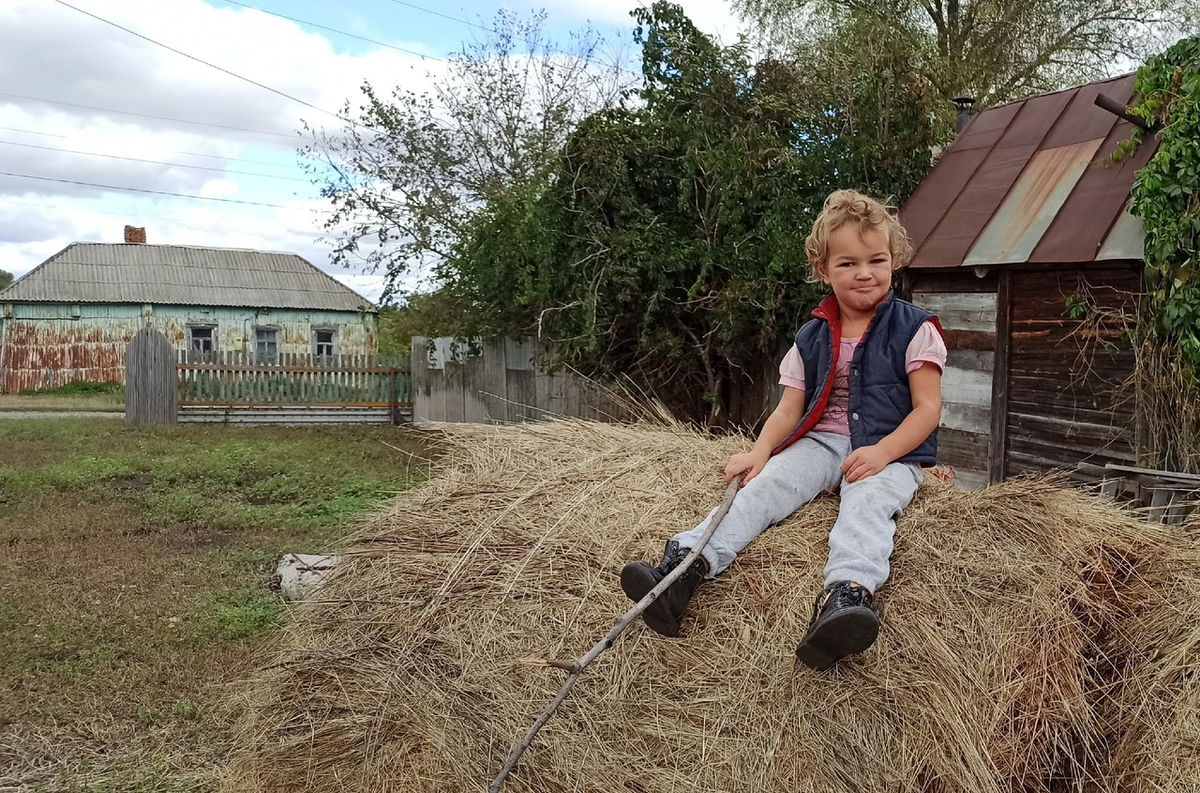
[992,50]
[6,279]
[429,314]
[668,244]
[408,175]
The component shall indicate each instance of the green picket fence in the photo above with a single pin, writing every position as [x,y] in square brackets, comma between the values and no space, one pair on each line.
[236,378]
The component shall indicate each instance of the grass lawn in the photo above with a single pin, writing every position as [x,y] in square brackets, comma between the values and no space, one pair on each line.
[81,396]
[135,582]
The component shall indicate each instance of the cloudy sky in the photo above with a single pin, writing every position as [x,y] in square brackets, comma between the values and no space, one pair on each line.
[100,128]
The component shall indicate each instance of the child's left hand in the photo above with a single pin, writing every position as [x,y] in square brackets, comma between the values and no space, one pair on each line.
[863,462]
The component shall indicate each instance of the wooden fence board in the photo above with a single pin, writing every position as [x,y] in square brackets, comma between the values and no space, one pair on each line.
[494,381]
[520,374]
[150,382]
[522,395]
[454,392]
[233,379]
[501,382]
[474,407]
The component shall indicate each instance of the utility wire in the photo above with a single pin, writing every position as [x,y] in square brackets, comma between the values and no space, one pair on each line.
[446,16]
[171,151]
[141,190]
[151,162]
[141,216]
[146,115]
[459,20]
[342,32]
[201,60]
[32,132]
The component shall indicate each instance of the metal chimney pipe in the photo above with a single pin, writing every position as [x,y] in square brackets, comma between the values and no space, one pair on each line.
[963,118]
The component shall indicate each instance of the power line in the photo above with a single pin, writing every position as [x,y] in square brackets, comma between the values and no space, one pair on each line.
[151,162]
[406,4]
[227,158]
[445,16]
[142,216]
[200,60]
[32,132]
[142,190]
[145,115]
[170,151]
[340,32]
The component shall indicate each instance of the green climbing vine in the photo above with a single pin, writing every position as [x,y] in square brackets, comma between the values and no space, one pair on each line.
[1166,197]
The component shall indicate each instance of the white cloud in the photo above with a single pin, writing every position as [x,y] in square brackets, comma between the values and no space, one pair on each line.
[715,17]
[49,52]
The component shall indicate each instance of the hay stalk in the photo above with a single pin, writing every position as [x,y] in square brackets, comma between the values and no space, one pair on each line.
[577,666]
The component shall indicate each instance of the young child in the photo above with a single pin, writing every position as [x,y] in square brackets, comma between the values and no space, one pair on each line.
[860,410]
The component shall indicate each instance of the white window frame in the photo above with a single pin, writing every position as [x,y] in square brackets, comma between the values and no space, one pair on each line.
[259,342]
[317,344]
[213,338]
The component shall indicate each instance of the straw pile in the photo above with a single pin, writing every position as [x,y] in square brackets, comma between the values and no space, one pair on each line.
[1034,639]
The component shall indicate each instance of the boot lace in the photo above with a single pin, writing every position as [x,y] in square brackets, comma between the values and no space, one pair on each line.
[843,595]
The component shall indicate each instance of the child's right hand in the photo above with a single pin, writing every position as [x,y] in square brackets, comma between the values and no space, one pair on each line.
[749,464]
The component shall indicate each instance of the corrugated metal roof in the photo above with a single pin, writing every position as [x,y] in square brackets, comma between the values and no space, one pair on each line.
[1031,181]
[87,272]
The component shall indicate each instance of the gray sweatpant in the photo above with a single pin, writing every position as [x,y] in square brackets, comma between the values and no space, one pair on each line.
[860,543]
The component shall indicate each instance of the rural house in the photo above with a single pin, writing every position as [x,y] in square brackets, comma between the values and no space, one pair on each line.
[71,317]
[1025,248]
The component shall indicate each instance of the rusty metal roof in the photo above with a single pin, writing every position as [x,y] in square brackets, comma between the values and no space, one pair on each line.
[1032,181]
[87,272]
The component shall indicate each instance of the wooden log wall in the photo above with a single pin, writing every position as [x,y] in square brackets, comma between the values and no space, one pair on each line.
[1066,401]
[969,320]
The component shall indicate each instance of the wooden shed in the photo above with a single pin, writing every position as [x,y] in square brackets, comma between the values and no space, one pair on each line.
[1024,218]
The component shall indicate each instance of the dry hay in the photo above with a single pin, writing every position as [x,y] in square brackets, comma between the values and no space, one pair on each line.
[1004,664]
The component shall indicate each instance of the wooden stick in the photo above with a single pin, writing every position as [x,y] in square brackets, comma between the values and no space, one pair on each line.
[577,666]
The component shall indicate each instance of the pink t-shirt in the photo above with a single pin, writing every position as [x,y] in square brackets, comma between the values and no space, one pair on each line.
[926,347]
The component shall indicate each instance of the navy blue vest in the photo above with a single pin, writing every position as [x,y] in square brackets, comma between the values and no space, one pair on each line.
[879,395]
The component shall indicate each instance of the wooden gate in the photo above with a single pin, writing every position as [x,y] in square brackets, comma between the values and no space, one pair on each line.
[150,383]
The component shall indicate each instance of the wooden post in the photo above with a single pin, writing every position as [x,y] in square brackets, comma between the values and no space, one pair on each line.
[577,666]
[395,406]
[1000,373]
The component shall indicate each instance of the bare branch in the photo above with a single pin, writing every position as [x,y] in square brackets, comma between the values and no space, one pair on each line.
[578,666]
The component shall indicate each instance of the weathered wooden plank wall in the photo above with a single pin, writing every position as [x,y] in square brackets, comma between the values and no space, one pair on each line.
[969,319]
[1066,401]
[499,383]
[150,379]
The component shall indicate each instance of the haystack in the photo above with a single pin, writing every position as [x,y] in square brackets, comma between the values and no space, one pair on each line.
[1027,628]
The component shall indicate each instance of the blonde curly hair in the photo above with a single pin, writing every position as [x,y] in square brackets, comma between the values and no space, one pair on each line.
[851,206]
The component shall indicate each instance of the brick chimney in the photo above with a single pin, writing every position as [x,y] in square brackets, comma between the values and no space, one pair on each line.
[135,235]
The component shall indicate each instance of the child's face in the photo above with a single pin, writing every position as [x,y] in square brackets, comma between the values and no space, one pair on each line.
[859,267]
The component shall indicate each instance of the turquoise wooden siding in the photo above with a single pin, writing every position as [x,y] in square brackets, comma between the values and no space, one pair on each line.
[43,345]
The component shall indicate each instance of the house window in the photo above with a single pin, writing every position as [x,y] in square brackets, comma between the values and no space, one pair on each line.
[266,345]
[202,339]
[325,341]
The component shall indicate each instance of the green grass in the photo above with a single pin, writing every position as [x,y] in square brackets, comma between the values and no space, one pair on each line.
[137,573]
[54,402]
[235,614]
[218,479]
[79,388]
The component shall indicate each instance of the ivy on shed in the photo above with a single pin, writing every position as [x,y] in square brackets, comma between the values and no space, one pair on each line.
[1166,197]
